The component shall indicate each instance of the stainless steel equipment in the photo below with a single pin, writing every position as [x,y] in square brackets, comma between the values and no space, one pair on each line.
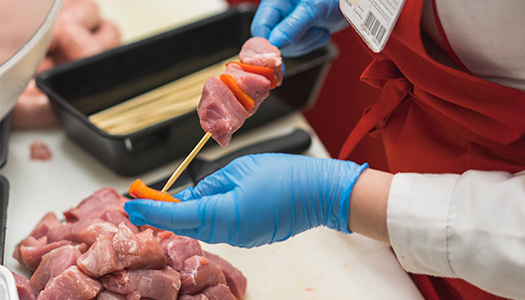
[25,33]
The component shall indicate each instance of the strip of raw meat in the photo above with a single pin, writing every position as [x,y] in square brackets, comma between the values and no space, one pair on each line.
[156,284]
[71,284]
[32,255]
[107,295]
[199,273]
[25,291]
[53,263]
[218,292]
[178,248]
[234,277]
[95,205]
[219,111]
[84,231]
[100,259]
[258,51]
[256,86]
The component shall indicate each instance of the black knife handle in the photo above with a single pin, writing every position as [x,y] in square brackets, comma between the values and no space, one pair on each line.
[294,143]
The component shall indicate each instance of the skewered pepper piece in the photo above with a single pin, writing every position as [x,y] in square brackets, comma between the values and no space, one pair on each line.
[264,71]
[243,98]
[139,189]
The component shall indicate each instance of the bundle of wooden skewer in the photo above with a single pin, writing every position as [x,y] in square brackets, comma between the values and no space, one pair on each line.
[158,105]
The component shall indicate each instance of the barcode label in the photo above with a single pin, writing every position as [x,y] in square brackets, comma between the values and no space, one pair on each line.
[374,20]
[374,27]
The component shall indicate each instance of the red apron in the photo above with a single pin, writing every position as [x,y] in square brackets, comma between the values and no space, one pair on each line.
[435,119]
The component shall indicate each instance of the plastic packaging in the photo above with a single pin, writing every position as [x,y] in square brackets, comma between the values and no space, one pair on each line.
[7,285]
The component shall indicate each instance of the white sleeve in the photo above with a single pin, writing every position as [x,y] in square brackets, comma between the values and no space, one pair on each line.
[469,226]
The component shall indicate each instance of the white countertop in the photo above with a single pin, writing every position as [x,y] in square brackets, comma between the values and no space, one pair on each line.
[317,264]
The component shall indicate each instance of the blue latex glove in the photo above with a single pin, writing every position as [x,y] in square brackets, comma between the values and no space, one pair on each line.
[297,26]
[256,200]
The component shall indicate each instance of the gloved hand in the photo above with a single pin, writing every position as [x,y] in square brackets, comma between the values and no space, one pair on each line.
[297,26]
[256,200]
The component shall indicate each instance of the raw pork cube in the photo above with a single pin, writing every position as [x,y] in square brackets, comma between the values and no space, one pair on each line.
[258,51]
[28,242]
[53,263]
[151,252]
[219,111]
[100,259]
[116,217]
[256,86]
[25,291]
[95,205]
[138,251]
[84,231]
[32,255]
[107,295]
[71,284]
[178,248]
[127,247]
[234,277]
[199,273]
[156,284]
[218,292]
[49,221]
[39,234]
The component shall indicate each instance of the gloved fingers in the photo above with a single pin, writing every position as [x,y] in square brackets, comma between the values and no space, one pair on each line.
[313,39]
[165,215]
[268,15]
[186,194]
[213,184]
[293,26]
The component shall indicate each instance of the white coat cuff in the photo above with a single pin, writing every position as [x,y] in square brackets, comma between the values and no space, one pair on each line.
[417,214]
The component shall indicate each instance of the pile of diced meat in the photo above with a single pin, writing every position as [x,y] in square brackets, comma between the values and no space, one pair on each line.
[219,111]
[79,31]
[99,254]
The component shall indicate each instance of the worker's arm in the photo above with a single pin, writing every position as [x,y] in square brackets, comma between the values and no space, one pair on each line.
[469,226]
[368,205]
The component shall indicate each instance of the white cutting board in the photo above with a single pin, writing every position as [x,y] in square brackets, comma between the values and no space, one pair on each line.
[317,264]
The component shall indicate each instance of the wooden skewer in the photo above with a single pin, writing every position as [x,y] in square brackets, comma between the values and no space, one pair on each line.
[133,118]
[187,161]
[171,91]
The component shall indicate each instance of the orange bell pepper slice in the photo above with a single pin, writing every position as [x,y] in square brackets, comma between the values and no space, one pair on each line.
[243,98]
[264,71]
[139,189]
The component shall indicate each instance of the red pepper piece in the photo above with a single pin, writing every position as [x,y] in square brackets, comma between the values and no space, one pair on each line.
[243,98]
[264,71]
[139,189]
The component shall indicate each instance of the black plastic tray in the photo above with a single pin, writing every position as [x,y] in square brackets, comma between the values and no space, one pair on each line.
[5,132]
[4,195]
[84,87]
